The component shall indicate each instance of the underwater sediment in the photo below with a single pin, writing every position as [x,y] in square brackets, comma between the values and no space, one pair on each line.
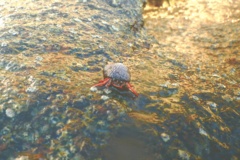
[183,64]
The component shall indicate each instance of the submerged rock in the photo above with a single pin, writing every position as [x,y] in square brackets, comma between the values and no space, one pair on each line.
[61,50]
[183,154]
[104,97]
[165,137]
[168,89]
[203,132]
[10,113]
[64,45]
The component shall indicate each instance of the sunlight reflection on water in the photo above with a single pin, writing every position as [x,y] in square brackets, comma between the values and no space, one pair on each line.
[180,110]
[1,22]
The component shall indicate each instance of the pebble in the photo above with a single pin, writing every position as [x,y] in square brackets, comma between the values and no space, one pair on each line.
[54,120]
[93,89]
[38,58]
[115,28]
[100,46]
[59,96]
[221,86]
[165,85]
[10,113]
[96,36]
[22,158]
[212,105]
[195,98]
[203,132]
[130,44]
[4,44]
[216,75]
[5,131]
[203,78]
[160,54]
[183,155]
[165,137]
[107,91]
[77,20]
[104,22]
[31,89]
[1,22]
[104,97]
[13,32]
[233,70]
[173,85]
[110,116]
[99,92]
[82,1]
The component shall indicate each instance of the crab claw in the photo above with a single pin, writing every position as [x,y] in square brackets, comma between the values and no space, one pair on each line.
[106,82]
[130,87]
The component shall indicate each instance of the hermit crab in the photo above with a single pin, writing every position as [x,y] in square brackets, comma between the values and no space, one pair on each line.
[118,76]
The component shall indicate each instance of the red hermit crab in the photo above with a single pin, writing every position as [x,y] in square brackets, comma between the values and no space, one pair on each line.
[118,76]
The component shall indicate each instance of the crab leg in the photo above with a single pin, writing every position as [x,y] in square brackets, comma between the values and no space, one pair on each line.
[106,81]
[130,87]
[109,82]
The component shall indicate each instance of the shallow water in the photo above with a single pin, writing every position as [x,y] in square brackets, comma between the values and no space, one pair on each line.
[199,41]
[185,66]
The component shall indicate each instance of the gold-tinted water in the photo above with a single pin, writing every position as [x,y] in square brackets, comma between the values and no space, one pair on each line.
[196,52]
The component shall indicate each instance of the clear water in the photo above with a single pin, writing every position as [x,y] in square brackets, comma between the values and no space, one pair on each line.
[185,65]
